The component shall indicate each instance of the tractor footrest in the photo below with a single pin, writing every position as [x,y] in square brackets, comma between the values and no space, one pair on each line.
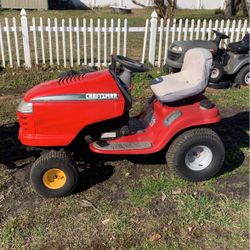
[103,145]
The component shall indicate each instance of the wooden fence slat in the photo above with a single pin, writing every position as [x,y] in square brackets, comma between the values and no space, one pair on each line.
[210,25]
[166,41]
[16,43]
[42,40]
[91,43]
[222,31]
[204,26]
[71,43]
[78,42]
[99,42]
[64,44]
[216,25]
[179,30]
[57,42]
[232,31]
[227,31]
[125,37]
[105,43]
[186,29]
[160,43]
[192,30]
[238,31]
[2,47]
[244,28]
[50,43]
[145,41]
[35,39]
[173,30]
[85,42]
[112,36]
[198,29]
[118,36]
[7,26]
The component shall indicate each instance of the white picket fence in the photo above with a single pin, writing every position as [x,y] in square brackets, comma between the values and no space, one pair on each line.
[80,42]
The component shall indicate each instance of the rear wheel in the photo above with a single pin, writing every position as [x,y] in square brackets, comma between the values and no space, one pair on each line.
[196,155]
[217,72]
[243,76]
[54,174]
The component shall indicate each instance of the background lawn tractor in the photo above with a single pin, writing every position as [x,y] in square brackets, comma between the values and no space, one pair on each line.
[231,63]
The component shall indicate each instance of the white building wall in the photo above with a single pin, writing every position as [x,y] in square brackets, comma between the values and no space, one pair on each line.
[182,4]
[127,3]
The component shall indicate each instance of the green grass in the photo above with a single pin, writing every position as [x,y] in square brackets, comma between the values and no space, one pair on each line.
[150,186]
[199,209]
[5,178]
[230,97]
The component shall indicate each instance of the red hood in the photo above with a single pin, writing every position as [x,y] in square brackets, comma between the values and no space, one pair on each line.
[100,81]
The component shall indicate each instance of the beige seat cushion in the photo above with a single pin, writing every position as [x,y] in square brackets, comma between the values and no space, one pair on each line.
[192,79]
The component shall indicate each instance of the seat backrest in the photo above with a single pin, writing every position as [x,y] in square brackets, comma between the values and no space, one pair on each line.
[197,66]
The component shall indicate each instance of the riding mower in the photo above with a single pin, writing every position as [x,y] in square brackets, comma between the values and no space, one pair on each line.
[231,63]
[79,116]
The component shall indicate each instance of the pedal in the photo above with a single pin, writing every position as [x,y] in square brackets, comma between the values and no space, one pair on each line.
[108,135]
[125,130]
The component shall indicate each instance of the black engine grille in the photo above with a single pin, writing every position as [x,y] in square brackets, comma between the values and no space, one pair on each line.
[173,56]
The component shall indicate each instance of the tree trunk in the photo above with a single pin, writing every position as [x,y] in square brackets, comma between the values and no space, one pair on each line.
[232,7]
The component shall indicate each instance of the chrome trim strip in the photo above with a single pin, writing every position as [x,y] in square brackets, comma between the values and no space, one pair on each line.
[77,97]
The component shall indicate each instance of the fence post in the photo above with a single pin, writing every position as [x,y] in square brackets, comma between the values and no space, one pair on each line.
[153,33]
[25,35]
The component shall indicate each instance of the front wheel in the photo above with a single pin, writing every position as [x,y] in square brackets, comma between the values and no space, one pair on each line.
[217,72]
[54,174]
[196,155]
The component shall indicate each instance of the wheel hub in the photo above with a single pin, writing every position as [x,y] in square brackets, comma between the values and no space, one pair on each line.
[54,178]
[214,73]
[198,158]
[247,78]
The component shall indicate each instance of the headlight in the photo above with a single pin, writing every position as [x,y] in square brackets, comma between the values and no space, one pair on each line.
[25,107]
[177,48]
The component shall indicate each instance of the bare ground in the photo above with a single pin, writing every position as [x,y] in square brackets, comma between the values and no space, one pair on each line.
[106,185]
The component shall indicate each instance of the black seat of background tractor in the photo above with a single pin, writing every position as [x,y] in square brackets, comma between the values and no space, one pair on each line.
[240,46]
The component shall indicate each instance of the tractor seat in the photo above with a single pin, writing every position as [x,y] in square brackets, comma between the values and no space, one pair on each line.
[240,46]
[190,81]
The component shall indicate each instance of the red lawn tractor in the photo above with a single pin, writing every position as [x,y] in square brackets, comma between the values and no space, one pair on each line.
[70,114]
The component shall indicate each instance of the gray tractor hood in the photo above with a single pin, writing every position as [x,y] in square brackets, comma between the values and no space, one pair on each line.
[186,45]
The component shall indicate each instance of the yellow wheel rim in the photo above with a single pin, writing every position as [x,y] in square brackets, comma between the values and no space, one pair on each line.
[54,178]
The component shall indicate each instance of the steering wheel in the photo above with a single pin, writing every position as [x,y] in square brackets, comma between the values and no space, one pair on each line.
[130,64]
[221,35]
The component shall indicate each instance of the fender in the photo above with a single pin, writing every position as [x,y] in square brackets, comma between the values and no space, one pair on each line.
[236,62]
[160,131]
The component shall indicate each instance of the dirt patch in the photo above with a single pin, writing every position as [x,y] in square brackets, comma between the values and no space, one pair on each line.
[235,186]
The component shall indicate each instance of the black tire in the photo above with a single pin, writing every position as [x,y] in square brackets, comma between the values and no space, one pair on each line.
[169,70]
[178,151]
[241,76]
[166,69]
[49,161]
[217,72]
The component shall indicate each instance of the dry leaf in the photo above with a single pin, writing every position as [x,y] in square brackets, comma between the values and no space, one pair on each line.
[163,196]
[127,174]
[170,222]
[176,191]
[104,222]
[155,237]
[190,229]
[86,203]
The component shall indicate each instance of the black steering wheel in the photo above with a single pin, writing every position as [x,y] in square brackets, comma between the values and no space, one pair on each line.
[130,64]
[221,35]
